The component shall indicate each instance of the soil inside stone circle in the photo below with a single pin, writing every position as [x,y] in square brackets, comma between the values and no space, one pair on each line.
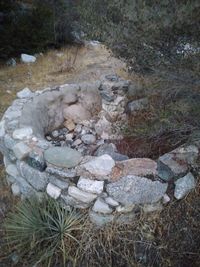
[149,147]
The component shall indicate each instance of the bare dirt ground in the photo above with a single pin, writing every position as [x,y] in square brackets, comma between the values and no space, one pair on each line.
[175,232]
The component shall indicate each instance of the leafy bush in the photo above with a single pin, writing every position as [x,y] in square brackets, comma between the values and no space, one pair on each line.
[44,231]
[145,32]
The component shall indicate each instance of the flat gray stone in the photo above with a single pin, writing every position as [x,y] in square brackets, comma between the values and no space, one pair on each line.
[77,142]
[26,189]
[108,149]
[2,128]
[34,177]
[184,185]
[12,170]
[133,189]
[23,133]
[11,179]
[111,150]
[43,144]
[91,186]
[62,157]
[25,93]
[15,189]
[101,206]
[12,115]
[177,162]
[100,220]
[65,173]
[62,184]
[100,166]
[21,150]
[88,139]
[6,161]
[12,125]
[80,195]
[111,202]
[9,141]
[72,202]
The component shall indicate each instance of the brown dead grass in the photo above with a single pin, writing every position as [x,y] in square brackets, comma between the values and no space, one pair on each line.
[56,67]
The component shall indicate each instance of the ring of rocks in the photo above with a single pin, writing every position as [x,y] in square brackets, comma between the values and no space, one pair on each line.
[59,141]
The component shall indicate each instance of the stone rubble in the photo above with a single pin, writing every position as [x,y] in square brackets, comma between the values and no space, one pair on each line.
[61,141]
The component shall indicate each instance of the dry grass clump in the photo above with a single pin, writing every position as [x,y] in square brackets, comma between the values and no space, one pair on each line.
[120,245]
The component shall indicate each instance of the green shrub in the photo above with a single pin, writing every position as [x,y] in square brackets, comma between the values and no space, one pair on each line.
[44,232]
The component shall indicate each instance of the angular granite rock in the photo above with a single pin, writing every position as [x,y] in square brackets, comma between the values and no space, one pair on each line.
[53,191]
[177,162]
[80,195]
[100,166]
[184,185]
[23,133]
[34,177]
[88,139]
[139,167]
[63,157]
[101,206]
[111,150]
[25,93]
[72,202]
[133,189]
[21,150]
[90,186]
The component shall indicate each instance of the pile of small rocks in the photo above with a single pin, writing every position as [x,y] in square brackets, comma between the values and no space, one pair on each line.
[59,142]
[80,137]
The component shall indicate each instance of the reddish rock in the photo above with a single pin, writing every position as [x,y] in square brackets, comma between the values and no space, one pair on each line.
[136,166]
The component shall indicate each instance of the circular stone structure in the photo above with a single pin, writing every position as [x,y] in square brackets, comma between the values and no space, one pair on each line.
[59,142]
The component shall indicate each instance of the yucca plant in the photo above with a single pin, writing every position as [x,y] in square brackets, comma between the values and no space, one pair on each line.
[44,232]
